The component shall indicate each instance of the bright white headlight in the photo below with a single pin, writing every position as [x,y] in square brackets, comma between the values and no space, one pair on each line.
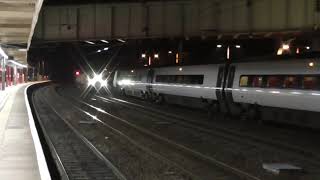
[97,79]
[125,82]
[91,82]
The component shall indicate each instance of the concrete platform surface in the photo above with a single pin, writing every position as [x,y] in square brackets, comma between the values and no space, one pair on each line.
[20,156]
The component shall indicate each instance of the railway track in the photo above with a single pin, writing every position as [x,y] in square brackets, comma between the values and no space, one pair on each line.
[76,157]
[199,127]
[233,135]
[235,173]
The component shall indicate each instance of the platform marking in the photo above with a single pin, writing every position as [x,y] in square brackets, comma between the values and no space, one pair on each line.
[3,102]
[42,164]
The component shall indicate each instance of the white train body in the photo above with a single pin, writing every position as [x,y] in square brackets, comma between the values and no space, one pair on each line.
[132,82]
[283,90]
[188,81]
[289,93]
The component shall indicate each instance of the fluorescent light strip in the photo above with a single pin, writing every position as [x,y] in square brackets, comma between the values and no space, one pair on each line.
[89,42]
[23,50]
[105,41]
[121,40]
[18,64]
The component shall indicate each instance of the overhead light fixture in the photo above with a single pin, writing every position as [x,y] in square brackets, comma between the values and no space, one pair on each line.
[22,50]
[311,64]
[170,52]
[89,42]
[156,56]
[106,49]
[3,53]
[308,47]
[121,40]
[99,51]
[18,64]
[180,69]
[132,71]
[238,46]
[143,55]
[104,41]
[219,46]
[228,53]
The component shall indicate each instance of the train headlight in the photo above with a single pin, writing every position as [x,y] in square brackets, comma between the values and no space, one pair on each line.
[91,82]
[125,82]
[97,80]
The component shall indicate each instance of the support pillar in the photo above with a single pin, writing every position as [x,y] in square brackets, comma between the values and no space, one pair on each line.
[15,76]
[3,74]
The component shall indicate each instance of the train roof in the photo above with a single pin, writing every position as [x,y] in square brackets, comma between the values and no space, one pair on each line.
[309,55]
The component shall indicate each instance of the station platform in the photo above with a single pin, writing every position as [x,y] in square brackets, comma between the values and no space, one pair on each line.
[21,154]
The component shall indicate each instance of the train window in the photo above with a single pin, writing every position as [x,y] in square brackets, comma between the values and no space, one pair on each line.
[257,81]
[159,78]
[180,79]
[291,82]
[244,81]
[274,81]
[196,79]
[310,82]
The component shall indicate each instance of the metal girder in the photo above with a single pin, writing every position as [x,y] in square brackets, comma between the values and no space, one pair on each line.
[186,18]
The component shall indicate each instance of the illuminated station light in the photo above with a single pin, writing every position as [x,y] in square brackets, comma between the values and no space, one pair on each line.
[285,47]
[89,42]
[219,46]
[177,58]
[104,41]
[170,52]
[156,56]
[307,47]
[77,73]
[99,51]
[228,53]
[238,46]
[22,50]
[121,40]
[143,55]
[132,71]
[311,64]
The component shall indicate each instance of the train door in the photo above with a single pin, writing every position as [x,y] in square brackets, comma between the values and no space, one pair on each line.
[219,83]
[231,107]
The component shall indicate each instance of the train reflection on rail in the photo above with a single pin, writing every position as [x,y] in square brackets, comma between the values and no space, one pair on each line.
[279,89]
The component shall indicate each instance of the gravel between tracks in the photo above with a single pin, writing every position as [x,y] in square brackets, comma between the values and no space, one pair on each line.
[132,161]
[245,156]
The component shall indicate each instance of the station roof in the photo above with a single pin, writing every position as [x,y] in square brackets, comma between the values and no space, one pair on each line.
[17,22]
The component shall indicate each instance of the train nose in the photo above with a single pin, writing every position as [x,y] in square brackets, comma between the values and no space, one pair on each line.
[97,85]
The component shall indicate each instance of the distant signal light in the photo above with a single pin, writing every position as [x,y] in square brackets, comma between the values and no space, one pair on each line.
[77,73]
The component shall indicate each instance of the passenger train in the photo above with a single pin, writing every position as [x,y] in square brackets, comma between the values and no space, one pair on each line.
[285,90]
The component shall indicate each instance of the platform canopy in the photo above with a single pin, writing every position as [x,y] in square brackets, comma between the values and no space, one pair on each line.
[17,22]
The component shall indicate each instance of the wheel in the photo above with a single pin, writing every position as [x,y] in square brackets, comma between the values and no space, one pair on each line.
[160,99]
[253,113]
[123,92]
